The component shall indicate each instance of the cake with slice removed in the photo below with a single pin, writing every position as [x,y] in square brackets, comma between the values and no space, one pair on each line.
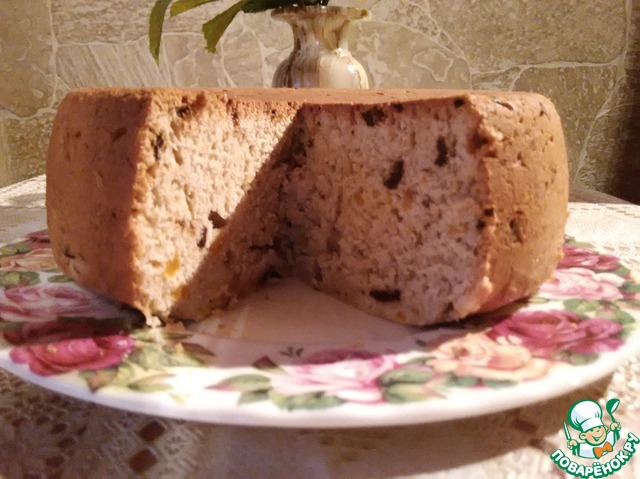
[416,206]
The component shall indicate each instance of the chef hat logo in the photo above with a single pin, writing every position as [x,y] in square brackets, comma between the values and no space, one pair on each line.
[585,415]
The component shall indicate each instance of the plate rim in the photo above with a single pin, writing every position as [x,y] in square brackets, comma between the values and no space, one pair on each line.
[343,417]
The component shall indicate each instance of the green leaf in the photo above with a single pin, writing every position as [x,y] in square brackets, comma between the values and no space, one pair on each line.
[626,332]
[496,384]
[406,376]
[315,400]
[623,317]
[462,381]
[10,279]
[248,397]
[244,383]
[142,358]
[581,306]
[182,6]
[215,27]
[579,359]
[156,21]
[59,278]
[183,358]
[99,378]
[622,271]
[256,6]
[150,387]
[15,248]
[125,374]
[151,384]
[197,349]
[632,303]
[404,393]
[631,287]
[155,356]
[570,241]
[179,398]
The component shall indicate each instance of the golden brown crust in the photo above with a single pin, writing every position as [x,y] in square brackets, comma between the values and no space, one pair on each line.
[94,153]
[293,96]
[524,153]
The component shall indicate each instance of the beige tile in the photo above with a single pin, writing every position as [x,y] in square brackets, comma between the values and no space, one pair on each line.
[26,62]
[210,70]
[5,178]
[81,21]
[84,21]
[241,57]
[568,50]
[26,142]
[178,54]
[397,57]
[496,35]
[604,153]
[247,55]
[612,160]
[191,65]
[274,41]
[578,93]
[412,15]
[273,34]
[503,80]
[114,65]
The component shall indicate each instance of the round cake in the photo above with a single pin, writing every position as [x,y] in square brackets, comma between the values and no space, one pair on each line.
[416,206]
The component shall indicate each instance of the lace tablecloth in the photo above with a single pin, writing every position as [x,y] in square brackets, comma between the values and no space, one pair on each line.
[44,434]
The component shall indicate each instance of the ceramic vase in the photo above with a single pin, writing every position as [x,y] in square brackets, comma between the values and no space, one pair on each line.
[320,56]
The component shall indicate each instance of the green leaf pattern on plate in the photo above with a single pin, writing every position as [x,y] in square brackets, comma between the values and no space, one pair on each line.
[55,327]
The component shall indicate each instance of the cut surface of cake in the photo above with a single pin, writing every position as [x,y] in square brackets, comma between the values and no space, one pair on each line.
[416,206]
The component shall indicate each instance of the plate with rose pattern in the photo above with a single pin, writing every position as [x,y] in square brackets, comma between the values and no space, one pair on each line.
[289,356]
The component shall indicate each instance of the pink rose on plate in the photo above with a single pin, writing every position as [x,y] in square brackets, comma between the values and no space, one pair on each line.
[479,356]
[350,375]
[53,331]
[35,260]
[46,302]
[41,236]
[584,283]
[584,258]
[545,333]
[77,354]
[598,335]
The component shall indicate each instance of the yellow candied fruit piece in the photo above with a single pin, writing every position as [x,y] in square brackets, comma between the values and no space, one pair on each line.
[172,267]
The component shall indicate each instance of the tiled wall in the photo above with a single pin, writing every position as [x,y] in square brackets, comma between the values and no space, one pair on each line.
[584,54]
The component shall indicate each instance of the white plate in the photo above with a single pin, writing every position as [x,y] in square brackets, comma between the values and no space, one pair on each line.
[289,356]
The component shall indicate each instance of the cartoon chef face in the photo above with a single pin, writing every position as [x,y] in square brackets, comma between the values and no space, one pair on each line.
[586,417]
[595,436]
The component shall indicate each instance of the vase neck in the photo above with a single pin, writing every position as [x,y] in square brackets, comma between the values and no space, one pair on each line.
[322,28]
